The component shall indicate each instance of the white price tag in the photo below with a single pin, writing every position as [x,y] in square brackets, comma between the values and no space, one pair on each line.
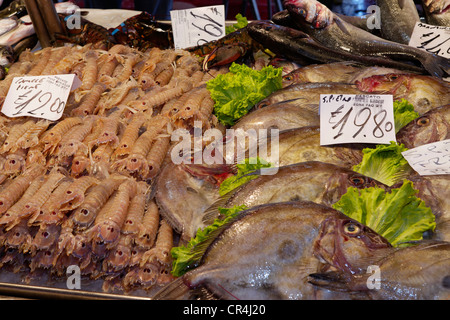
[38,96]
[434,39]
[349,118]
[193,27]
[430,159]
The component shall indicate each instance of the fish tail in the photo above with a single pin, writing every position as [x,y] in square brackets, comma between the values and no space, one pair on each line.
[175,290]
[437,66]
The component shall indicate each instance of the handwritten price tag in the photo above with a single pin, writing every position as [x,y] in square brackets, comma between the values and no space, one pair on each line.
[434,39]
[193,27]
[430,159]
[39,96]
[347,118]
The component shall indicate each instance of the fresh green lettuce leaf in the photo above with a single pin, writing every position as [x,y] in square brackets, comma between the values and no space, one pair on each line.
[384,163]
[399,215]
[188,256]
[403,113]
[237,91]
[250,165]
[241,23]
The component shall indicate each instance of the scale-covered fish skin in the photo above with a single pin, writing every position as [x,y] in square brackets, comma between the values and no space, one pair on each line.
[315,181]
[282,116]
[398,19]
[266,253]
[300,47]
[423,92]
[185,191]
[434,191]
[432,126]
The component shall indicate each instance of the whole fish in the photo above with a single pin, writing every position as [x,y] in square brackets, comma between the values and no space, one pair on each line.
[343,72]
[298,46]
[315,181]
[418,272]
[322,24]
[423,92]
[398,19]
[267,252]
[434,191]
[437,12]
[432,126]
[327,72]
[308,93]
[185,191]
[282,116]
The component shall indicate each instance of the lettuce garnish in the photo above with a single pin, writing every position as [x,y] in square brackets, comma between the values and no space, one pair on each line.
[384,163]
[237,91]
[399,215]
[188,256]
[249,165]
[241,23]
[403,113]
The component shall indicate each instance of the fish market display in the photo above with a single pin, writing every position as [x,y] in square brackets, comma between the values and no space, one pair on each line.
[136,184]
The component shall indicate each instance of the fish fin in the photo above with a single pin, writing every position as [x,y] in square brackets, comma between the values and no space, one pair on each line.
[437,66]
[401,3]
[175,290]
[341,24]
[333,280]
[212,211]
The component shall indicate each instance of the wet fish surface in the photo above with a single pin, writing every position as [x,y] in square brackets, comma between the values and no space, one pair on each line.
[264,254]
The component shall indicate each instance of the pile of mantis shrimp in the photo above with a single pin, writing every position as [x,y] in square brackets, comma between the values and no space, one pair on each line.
[78,191]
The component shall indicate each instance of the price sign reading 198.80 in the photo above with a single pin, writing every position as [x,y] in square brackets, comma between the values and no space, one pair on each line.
[193,27]
[39,96]
[346,118]
[430,159]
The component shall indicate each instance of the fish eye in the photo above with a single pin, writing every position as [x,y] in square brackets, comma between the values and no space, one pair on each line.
[352,229]
[423,122]
[393,77]
[357,181]
[288,77]
[268,28]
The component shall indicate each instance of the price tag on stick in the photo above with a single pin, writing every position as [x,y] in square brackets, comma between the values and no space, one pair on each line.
[347,118]
[193,27]
[430,159]
[39,96]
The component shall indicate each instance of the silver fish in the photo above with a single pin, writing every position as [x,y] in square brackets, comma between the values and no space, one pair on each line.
[323,25]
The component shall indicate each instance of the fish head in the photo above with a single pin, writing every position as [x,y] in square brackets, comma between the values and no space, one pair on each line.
[437,6]
[391,83]
[311,12]
[347,245]
[431,127]
[341,180]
